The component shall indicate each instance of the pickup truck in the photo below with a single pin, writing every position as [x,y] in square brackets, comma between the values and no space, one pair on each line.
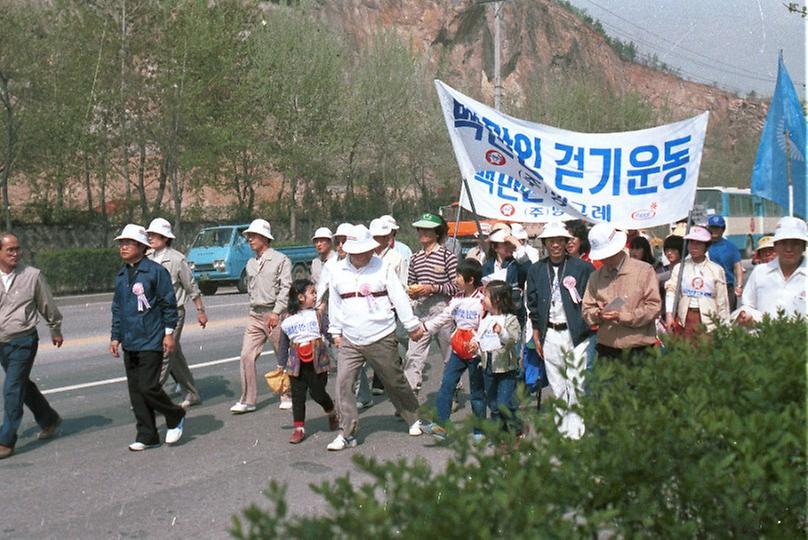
[219,255]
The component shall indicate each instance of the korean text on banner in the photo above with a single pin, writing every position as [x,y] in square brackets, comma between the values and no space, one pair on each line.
[521,171]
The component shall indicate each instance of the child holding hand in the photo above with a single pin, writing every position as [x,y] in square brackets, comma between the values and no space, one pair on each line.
[303,354]
[466,311]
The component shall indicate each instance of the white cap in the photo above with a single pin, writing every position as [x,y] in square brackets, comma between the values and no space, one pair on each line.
[500,226]
[160,226]
[485,227]
[555,229]
[518,231]
[790,228]
[499,235]
[344,229]
[605,241]
[134,232]
[699,234]
[260,226]
[391,220]
[380,227]
[359,241]
[322,232]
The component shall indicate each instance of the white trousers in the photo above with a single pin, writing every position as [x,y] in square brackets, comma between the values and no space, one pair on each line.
[566,365]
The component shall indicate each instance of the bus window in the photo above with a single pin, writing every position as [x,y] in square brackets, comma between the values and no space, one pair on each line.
[740,204]
[711,200]
[772,209]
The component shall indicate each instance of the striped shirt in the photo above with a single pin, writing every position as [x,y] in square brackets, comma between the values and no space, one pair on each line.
[438,267]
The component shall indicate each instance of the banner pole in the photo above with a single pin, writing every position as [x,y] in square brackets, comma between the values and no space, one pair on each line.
[480,241]
[788,175]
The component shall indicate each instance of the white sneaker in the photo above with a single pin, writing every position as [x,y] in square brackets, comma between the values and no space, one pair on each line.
[364,404]
[415,429]
[174,434]
[286,402]
[241,408]
[139,446]
[341,443]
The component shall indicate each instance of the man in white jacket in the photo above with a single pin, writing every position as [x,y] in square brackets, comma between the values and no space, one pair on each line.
[362,295]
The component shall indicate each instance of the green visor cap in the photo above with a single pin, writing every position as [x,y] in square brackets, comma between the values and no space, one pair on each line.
[427,221]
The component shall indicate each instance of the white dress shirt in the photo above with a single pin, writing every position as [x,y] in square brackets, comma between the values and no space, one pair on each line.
[365,319]
[768,291]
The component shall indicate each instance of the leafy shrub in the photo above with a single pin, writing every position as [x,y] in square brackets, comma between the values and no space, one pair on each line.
[79,270]
[705,440]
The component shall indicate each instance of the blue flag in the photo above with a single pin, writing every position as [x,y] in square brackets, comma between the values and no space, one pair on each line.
[783,132]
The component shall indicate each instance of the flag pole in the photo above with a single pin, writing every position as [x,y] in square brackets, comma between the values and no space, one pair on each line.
[474,211]
[788,174]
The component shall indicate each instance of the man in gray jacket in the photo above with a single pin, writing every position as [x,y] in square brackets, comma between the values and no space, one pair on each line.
[182,279]
[23,295]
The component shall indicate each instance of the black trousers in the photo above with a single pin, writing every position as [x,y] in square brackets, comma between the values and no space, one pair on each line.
[630,354]
[147,396]
[308,380]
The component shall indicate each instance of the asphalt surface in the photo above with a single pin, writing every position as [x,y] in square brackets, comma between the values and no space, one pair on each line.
[86,484]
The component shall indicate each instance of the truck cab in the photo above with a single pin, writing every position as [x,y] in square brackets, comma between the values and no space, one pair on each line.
[218,257]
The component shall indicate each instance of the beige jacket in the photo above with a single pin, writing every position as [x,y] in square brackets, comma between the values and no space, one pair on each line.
[269,278]
[704,284]
[636,283]
[182,277]
[28,296]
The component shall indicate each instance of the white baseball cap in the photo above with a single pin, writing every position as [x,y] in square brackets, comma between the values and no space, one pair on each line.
[790,228]
[160,226]
[260,226]
[359,241]
[391,220]
[344,229]
[699,234]
[499,236]
[518,231]
[555,229]
[322,232]
[134,232]
[606,241]
[380,227]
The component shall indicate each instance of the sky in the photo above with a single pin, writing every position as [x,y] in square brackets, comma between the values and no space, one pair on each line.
[733,43]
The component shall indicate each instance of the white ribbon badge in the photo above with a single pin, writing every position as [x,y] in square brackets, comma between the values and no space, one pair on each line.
[569,284]
[142,302]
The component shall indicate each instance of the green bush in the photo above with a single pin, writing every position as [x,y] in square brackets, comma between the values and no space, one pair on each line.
[705,440]
[80,270]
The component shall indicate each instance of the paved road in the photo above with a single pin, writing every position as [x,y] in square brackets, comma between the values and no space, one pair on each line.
[86,484]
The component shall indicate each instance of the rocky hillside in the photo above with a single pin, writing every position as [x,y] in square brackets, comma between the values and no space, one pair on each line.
[539,37]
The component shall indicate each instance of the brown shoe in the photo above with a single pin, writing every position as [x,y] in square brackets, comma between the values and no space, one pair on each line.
[297,436]
[50,431]
[333,422]
[6,451]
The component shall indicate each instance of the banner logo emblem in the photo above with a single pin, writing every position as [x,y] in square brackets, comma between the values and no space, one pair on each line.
[507,210]
[495,158]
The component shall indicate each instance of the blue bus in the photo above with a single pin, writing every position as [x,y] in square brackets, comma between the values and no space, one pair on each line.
[748,216]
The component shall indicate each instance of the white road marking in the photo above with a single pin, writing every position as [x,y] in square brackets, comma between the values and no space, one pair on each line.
[122,379]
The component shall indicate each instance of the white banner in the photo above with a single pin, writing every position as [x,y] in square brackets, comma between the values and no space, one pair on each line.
[521,171]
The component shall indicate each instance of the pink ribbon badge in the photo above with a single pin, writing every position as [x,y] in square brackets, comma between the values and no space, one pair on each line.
[142,301]
[364,290]
[569,284]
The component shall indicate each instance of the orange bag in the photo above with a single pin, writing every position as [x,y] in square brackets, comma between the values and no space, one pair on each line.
[460,343]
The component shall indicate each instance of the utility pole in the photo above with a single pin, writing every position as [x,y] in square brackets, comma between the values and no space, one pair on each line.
[497,54]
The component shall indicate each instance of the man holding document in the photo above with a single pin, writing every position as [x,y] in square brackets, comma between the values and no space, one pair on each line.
[622,297]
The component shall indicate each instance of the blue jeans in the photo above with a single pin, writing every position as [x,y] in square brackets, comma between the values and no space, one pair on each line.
[452,372]
[499,392]
[17,358]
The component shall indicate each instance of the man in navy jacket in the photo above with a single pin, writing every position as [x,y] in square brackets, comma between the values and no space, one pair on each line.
[555,290]
[144,315]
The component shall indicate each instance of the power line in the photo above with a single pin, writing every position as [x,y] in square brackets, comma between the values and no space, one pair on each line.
[735,70]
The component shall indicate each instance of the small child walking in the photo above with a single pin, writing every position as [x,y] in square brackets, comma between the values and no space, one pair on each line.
[302,353]
[495,341]
[466,311]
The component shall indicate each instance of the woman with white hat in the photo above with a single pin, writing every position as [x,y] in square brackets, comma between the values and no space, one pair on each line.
[703,294]
[501,264]
[781,284]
